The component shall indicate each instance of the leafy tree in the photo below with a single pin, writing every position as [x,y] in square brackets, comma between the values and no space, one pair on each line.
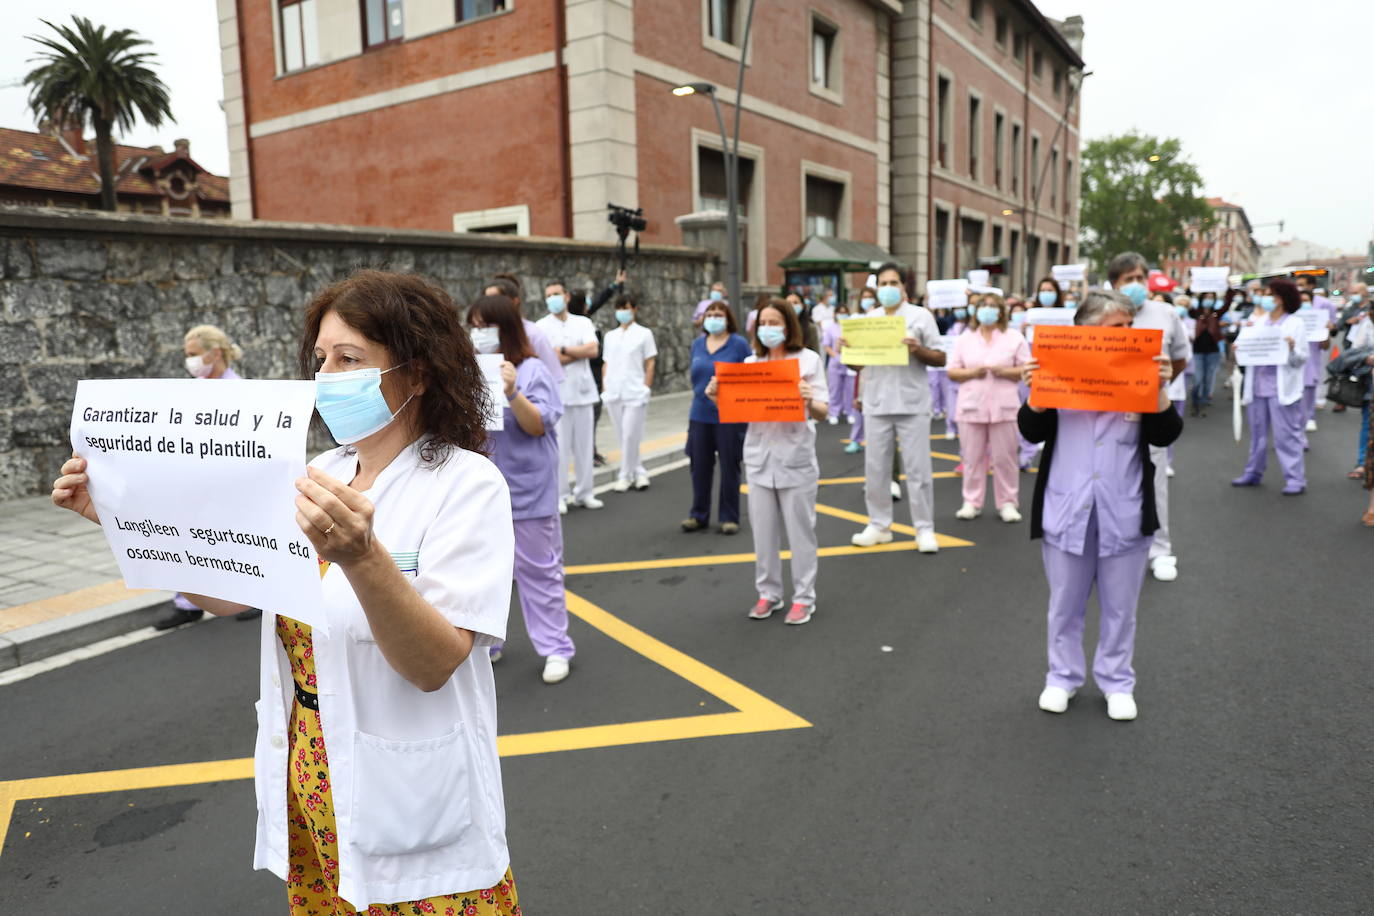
[1138,194]
[87,75]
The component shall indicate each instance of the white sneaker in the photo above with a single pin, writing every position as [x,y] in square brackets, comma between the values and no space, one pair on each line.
[871,536]
[642,482]
[1009,514]
[621,486]
[1169,472]
[555,669]
[1121,707]
[968,511]
[896,490]
[591,502]
[1311,426]
[926,542]
[562,506]
[1165,569]
[1056,699]
[949,434]
[833,420]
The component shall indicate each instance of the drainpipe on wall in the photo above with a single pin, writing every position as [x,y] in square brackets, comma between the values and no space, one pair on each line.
[564,125]
[247,120]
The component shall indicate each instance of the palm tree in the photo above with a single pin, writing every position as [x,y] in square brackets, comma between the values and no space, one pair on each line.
[88,75]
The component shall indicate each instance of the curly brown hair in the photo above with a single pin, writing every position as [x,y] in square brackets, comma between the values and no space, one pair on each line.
[424,337]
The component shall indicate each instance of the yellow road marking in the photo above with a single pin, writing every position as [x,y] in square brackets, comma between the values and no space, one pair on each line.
[45,609]
[753,712]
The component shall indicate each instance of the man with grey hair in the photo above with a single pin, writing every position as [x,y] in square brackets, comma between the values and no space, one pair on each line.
[1127,273]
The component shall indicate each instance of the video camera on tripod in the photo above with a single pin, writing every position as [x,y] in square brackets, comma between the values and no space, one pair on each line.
[626,221]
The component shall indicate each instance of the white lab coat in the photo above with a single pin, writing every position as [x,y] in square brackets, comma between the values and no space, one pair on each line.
[416,781]
[578,388]
[625,350]
[782,455]
[1291,372]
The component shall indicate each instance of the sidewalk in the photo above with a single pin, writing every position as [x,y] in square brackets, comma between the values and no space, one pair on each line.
[60,587]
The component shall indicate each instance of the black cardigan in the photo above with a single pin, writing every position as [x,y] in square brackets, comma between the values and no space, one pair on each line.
[1157,429]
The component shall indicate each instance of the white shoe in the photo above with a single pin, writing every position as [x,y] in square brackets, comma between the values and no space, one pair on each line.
[1056,699]
[1169,472]
[621,486]
[555,669]
[1121,707]
[591,502]
[1009,514]
[642,482]
[1165,569]
[833,420]
[949,434]
[562,506]
[896,490]
[926,542]
[871,536]
[1311,426]
[968,511]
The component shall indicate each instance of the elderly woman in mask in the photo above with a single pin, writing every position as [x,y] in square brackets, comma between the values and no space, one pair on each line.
[1094,507]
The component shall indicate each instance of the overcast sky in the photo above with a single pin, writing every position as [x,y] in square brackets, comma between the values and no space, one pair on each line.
[1273,105]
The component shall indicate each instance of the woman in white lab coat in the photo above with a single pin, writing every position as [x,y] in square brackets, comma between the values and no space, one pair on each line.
[1273,394]
[378,781]
[782,472]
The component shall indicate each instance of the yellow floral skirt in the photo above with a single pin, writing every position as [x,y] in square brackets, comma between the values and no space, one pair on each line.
[312,880]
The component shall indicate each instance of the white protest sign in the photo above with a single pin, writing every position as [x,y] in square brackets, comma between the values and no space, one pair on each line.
[1178,388]
[979,277]
[490,364]
[1209,279]
[1057,316]
[195,484]
[945,344]
[994,290]
[1067,274]
[1261,346]
[1315,321]
[946,294]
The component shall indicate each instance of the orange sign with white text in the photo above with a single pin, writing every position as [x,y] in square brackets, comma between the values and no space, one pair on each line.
[1092,368]
[763,392]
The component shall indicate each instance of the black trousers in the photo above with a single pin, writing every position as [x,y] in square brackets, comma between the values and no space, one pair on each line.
[706,442]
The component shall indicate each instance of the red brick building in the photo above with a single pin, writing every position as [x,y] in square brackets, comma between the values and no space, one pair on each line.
[59,169]
[985,116]
[529,116]
[1225,242]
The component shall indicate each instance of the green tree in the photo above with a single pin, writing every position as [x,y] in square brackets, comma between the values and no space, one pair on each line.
[86,75]
[1138,194]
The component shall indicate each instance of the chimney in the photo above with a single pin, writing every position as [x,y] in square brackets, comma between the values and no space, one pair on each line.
[158,150]
[183,146]
[72,137]
[1072,30]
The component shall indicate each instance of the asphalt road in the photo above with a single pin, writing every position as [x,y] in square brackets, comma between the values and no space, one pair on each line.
[927,780]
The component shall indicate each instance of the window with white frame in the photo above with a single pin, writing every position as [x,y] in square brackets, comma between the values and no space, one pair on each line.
[513,220]
[300,36]
[824,52]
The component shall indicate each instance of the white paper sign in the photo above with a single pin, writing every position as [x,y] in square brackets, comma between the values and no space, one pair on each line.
[1316,321]
[1058,316]
[1261,346]
[945,344]
[1068,274]
[995,290]
[490,364]
[979,277]
[1178,388]
[946,294]
[1209,279]
[194,482]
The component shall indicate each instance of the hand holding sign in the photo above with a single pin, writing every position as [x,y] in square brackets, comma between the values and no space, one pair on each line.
[761,392]
[335,517]
[1086,367]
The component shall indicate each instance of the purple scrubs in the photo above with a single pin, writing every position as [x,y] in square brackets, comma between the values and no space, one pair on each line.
[530,466]
[837,375]
[1284,421]
[1092,521]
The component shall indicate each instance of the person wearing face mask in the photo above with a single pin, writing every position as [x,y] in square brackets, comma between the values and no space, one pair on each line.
[527,453]
[1207,338]
[783,473]
[824,310]
[708,440]
[943,389]
[209,351]
[1316,359]
[574,339]
[986,363]
[1178,388]
[627,381]
[868,301]
[834,369]
[1127,273]
[715,294]
[411,524]
[506,284]
[1273,394]
[896,405]
[810,337]
[1047,293]
[1095,511]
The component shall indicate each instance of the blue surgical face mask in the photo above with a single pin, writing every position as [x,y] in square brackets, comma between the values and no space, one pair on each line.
[486,340]
[988,314]
[961,314]
[351,403]
[1135,291]
[1356,298]
[771,335]
[888,296]
[1017,319]
[867,303]
[714,324]
[624,316]
[555,304]
[797,307]
[1182,310]
[1070,304]
[1266,302]
[716,295]
[1046,297]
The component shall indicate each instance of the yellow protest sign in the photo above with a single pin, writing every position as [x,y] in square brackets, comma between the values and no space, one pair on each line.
[874,341]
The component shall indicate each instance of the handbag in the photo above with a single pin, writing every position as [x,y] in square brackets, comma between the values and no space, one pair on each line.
[1350,390]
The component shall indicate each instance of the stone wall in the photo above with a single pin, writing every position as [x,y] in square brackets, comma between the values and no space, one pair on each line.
[92,295]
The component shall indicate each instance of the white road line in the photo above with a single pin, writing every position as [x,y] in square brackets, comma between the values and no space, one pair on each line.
[63,659]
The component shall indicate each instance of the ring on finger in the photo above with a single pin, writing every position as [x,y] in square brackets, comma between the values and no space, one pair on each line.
[329,529]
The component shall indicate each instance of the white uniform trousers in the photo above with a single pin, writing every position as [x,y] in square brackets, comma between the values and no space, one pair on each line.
[576,446]
[1161,546]
[883,431]
[770,510]
[629,429]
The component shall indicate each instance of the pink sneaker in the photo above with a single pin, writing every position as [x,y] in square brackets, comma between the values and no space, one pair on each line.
[800,613]
[764,609]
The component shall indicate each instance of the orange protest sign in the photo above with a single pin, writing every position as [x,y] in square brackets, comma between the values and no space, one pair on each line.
[764,392]
[1093,368]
